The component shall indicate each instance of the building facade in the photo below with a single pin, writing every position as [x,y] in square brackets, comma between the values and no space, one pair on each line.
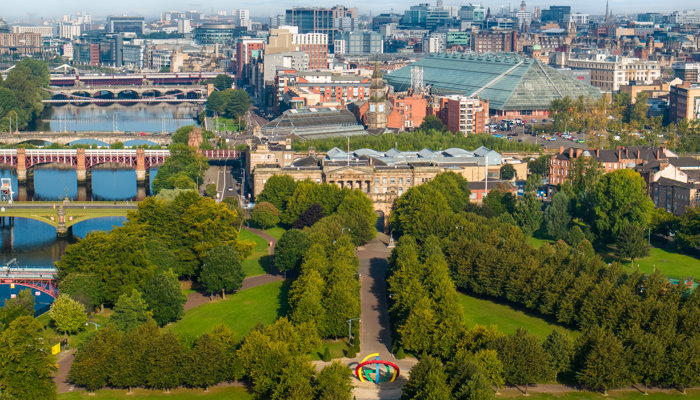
[684,102]
[609,73]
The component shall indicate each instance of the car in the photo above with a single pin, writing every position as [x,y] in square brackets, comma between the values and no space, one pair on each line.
[552,139]
[230,188]
[534,121]
[580,141]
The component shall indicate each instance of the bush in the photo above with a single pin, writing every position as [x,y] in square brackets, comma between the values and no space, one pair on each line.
[400,355]
[265,215]
[326,355]
[351,353]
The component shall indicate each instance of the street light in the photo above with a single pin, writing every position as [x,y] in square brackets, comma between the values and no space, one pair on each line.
[350,327]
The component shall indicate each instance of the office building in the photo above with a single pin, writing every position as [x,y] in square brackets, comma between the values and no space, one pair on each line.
[21,43]
[435,43]
[608,73]
[184,26]
[463,114]
[43,30]
[216,33]
[689,72]
[558,14]
[117,24]
[684,102]
[494,42]
[472,13]
[361,43]
[312,20]
[316,46]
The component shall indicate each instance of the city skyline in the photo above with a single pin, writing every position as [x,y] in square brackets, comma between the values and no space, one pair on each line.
[267,8]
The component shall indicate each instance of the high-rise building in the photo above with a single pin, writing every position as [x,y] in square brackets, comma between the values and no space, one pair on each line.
[472,13]
[312,20]
[360,42]
[316,46]
[184,26]
[117,24]
[242,16]
[556,14]
[246,50]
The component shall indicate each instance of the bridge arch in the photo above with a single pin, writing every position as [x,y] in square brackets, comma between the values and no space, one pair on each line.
[89,142]
[139,142]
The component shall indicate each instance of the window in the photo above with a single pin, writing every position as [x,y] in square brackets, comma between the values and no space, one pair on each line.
[384,180]
[393,180]
[400,180]
[376,181]
[408,180]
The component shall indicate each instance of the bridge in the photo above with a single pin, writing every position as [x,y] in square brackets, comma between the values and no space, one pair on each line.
[63,215]
[107,138]
[181,78]
[82,159]
[101,94]
[42,279]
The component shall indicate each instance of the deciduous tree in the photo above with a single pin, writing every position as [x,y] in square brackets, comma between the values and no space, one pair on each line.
[333,382]
[164,297]
[67,314]
[130,311]
[222,270]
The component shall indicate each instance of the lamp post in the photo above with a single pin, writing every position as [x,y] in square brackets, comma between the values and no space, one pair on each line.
[350,327]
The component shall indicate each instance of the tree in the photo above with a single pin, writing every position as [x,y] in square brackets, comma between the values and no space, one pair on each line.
[604,365]
[130,358]
[222,270]
[432,123]
[278,190]
[130,311]
[22,305]
[290,250]
[265,215]
[500,201]
[528,213]
[507,172]
[210,190]
[539,166]
[683,363]
[164,297]
[83,287]
[26,364]
[165,360]
[632,243]
[309,217]
[356,213]
[560,351]
[428,381]
[222,82]
[67,314]
[94,362]
[206,361]
[181,169]
[556,216]
[689,229]
[333,382]
[619,199]
[524,360]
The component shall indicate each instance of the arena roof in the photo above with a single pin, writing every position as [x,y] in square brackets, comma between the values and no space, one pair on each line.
[506,80]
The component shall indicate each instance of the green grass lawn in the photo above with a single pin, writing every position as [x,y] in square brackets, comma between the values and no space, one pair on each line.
[337,349]
[240,311]
[622,395]
[256,263]
[228,393]
[53,336]
[276,232]
[536,242]
[672,264]
[506,318]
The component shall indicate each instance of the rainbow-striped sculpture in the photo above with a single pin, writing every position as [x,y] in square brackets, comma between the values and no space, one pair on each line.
[364,370]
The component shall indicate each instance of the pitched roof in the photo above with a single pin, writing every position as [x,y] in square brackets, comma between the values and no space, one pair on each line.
[508,81]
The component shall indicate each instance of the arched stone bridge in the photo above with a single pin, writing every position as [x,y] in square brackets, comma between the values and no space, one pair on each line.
[126,91]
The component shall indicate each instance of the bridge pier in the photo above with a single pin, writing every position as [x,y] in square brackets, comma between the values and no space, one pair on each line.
[21,165]
[80,169]
[61,229]
[140,165]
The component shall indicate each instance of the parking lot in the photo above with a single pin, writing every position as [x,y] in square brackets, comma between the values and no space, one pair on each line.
[521,131]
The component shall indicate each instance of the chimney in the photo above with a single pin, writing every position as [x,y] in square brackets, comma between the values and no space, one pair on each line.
[579,152]
[571,152]
[561,149]
[658,153]
[597,153]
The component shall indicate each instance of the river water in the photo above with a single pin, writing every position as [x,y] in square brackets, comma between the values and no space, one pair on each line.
[117,117]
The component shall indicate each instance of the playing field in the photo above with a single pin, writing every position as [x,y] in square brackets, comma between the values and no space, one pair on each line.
[671,264]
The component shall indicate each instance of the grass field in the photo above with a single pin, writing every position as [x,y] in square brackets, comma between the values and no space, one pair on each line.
[276,232]
[536,242]
[672,264]
[228,393]
[619,395]
[506,318]
[258,262]
[337,349]
[240,311]
[53,336]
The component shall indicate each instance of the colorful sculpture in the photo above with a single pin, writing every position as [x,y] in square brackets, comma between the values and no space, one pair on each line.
[363,371]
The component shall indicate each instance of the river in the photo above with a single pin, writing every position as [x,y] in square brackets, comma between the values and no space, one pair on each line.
[116,117]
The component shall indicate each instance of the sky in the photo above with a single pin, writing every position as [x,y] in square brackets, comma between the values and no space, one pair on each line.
[34,9]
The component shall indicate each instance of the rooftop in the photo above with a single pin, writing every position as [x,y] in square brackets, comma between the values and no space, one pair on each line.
[508,81]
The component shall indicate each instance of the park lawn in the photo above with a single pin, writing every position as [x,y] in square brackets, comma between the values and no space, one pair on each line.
[74,341]
[276,232]
[218,393]
[693,394]
[240,311]
[256,263]
[337,348]
[669,263]
[536,242]
[507,319]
